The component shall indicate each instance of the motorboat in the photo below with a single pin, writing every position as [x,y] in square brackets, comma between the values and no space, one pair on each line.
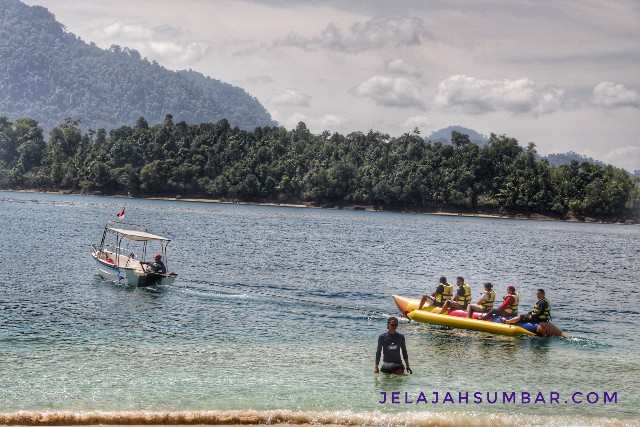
[122,253]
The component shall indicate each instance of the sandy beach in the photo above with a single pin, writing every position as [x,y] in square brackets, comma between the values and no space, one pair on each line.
[312,205]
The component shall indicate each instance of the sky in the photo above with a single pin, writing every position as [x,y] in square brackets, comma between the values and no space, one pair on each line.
[564,75]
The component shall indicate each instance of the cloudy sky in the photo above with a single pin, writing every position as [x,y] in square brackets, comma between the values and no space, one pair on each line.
[562,74]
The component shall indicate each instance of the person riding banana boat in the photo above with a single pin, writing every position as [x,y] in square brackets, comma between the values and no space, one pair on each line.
[462,298]
[485,303]
[541,312]
[443,293]
[508,308]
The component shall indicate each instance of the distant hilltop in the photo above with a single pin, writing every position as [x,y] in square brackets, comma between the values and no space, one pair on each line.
[556,159]
[444,135]
[50,74]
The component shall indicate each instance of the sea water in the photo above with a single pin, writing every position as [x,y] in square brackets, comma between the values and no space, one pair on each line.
[276,312]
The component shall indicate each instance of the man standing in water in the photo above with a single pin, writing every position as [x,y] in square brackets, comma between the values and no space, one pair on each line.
[393,346]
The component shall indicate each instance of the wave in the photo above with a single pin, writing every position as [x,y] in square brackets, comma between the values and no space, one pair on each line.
[340,418]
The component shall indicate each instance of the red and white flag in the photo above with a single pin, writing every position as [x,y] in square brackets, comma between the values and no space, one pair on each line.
[121,214]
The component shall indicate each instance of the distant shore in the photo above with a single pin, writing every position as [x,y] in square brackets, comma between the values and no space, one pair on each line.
[353,207]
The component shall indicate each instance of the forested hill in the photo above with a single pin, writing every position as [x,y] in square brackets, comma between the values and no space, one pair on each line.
[49,74]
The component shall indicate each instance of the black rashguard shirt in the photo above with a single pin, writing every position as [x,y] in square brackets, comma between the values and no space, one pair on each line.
[158,267]
[392,345]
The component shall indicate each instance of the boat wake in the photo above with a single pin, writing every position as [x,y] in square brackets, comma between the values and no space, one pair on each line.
[587,343]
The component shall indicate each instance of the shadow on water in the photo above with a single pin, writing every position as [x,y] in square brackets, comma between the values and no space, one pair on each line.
[390,382]
[443,337]
[145,292]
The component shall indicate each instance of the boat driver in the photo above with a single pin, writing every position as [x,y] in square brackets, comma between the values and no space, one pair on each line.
[157,266]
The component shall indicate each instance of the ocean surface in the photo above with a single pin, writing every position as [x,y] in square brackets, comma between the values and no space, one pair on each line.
[276,312]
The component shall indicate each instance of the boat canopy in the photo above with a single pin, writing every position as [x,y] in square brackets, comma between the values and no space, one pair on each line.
[141,236]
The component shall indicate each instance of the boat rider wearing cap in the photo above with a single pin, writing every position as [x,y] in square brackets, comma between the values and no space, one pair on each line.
[462,298]
[393,348]
[509,306]
[485,303]
[157,266]
[443,293]
[541,311]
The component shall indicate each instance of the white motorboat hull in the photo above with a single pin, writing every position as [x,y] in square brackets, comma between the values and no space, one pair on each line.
[127,271]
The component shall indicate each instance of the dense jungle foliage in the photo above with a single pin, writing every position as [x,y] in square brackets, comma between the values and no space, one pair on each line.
[49,74]
[216,160]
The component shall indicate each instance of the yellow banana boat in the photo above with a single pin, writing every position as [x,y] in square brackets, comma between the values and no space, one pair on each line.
[429,314]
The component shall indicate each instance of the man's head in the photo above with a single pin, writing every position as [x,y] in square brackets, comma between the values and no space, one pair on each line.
[460,280]
[157,257]
[511,289]
[488,286]
[392,324]
[540,293]
[443,280]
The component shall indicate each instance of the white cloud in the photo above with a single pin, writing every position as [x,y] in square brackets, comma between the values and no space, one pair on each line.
[401,67]
[390,92]
[331,122]
[627,157]
[259,79]
[417,122]
[477,96]
[161,43]
[292,97]
[612,95]
[376,33]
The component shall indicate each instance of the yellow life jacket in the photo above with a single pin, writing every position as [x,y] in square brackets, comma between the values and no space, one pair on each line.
[513,308]
[546,314]
[466,298]
[487,304]
[446,294]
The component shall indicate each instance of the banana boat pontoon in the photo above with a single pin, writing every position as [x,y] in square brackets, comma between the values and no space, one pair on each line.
[458,319]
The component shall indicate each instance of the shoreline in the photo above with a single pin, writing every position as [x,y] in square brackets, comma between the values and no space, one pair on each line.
[352,207]
[312,419]
[256,418]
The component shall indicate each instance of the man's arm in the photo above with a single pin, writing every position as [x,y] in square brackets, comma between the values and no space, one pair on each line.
[484,297]
[507,302]
[378,353]
[405,355]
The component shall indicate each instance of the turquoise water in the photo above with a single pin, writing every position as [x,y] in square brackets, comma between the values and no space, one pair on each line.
[276,312]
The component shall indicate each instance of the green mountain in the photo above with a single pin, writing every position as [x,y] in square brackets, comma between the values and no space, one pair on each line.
[559,159]
[48,74]
[444,135]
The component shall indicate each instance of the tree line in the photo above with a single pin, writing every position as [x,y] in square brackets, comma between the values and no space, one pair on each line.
[215,160]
